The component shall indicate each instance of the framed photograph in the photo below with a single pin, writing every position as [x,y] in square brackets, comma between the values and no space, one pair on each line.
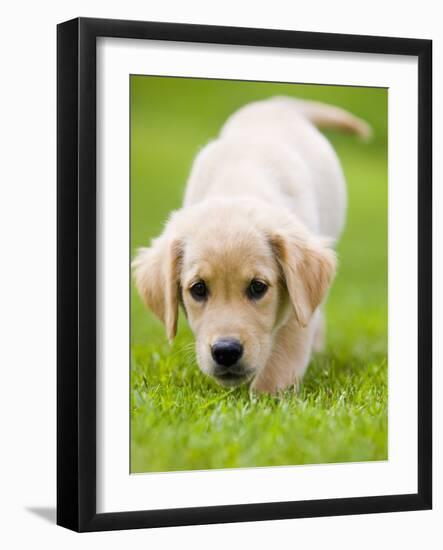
[244,274]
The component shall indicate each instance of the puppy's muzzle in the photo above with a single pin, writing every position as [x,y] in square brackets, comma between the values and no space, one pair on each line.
[226,354]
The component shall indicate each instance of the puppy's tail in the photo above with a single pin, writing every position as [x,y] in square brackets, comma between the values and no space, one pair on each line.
[329,116]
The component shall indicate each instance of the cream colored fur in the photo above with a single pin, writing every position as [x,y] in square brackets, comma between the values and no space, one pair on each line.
[265,200]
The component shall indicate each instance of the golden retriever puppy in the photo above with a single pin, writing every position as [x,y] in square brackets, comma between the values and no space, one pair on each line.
[249,257]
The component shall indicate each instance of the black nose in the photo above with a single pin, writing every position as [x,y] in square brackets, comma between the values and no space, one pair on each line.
[226,351]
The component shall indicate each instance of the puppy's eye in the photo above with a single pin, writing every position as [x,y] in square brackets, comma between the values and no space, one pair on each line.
[199,291]
[256,289]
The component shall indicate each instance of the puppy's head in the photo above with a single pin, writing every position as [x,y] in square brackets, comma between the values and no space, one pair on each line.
[239,270]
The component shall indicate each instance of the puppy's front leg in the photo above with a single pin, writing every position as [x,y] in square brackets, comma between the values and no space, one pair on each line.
[289,358]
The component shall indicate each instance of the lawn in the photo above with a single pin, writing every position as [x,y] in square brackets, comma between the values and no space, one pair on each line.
[181,420]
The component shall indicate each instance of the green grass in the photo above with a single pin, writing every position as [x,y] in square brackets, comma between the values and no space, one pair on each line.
[181,420]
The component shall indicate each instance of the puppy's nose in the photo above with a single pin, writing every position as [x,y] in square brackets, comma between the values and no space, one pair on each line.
[226,351]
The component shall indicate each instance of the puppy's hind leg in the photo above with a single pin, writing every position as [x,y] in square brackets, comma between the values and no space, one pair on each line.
[319,340]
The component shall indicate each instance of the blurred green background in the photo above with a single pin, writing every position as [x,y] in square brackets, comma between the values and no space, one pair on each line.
[181,420]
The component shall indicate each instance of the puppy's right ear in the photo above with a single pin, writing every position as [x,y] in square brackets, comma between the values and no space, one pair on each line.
[156,272]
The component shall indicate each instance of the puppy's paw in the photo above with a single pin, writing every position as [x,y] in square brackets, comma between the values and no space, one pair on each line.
[262,385]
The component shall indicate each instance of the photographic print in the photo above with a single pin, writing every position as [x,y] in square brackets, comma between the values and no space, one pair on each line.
[259,306]
[242,217]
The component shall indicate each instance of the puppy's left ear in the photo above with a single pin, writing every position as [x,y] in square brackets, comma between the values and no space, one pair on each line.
[308,266]
[156,272]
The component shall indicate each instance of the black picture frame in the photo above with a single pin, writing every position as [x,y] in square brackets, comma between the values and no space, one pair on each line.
[76,278]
